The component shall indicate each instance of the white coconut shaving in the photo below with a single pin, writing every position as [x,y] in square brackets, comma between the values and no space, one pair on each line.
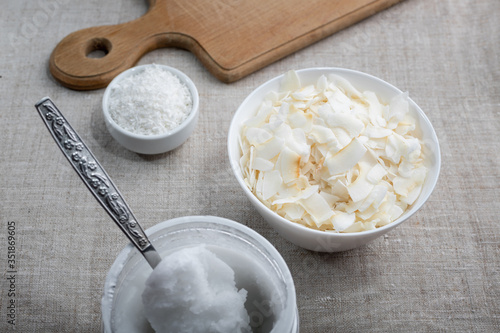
[150,102]
[331,157]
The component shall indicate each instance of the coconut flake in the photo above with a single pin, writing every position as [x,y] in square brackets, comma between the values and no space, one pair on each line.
[360,188]
[293,212]
[322,134]
[318,208]
[257,136]
[376,173]
[270,149]
[262,164]
[291,81]
[347,122]
[304,155]
[289,164]
[341,221]
[271,184]
[347,158]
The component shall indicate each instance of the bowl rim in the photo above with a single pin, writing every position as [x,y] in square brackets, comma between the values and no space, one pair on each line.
[182,77]
[233,136]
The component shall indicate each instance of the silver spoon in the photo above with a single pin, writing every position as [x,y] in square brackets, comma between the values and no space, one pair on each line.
[95,177]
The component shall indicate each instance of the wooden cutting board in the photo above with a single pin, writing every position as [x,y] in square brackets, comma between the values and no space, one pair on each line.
[231,38]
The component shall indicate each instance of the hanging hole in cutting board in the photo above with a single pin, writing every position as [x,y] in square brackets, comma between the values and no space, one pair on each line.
[98,48]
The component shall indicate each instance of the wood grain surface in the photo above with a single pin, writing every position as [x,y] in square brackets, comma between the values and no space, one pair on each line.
[232,38]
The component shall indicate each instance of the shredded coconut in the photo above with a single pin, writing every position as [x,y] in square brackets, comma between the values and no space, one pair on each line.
[331,157]
[151,102]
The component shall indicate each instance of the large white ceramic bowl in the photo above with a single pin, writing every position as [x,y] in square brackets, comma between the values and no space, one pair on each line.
[316,240]
[152,144]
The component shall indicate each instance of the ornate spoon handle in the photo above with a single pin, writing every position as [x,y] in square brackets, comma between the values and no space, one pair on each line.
[95,177]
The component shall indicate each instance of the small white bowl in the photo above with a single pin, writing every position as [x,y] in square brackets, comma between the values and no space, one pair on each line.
[298,234]
[152,144]
[258,266]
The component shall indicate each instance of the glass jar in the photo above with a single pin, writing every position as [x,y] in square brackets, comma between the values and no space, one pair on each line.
[258,267]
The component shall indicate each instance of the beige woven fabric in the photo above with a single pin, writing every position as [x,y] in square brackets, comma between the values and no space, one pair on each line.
[438,272]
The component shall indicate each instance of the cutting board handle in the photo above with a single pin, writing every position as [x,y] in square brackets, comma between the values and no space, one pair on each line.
[71,63]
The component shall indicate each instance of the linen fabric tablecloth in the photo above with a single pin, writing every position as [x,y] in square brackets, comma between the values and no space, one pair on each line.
[437,272]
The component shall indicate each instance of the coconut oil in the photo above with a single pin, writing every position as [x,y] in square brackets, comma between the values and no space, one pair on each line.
[258,268]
